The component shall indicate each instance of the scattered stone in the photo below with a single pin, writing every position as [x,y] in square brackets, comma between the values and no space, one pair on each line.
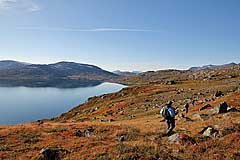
[205,107]
[202,117]
[187,119]
[209,132]
[174,139]
[78,133]
[183,118]
[213,111]
[232,109]
[227,130]
[110,120]
[121,138]
[170,82]
[223,107]
[218,94]
[40,122]
[50,154]
[88,132]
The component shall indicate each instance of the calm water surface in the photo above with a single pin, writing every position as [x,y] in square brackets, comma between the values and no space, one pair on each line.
[22,104]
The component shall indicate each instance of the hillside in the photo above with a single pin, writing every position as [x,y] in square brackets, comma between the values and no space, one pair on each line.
[212,66]
[173,76]
[127,125]
[61,74]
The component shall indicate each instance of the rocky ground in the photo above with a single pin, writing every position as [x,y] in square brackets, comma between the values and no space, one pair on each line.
[127,125]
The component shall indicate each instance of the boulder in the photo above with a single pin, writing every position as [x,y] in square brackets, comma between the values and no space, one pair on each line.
[218,94]
[232,109]
[170,82]
[184,118]
[202,117]
[50,154]
[78,133]
[174,139]
[88,132]
[209,132]
[205,107]
[223,107]
[121,138]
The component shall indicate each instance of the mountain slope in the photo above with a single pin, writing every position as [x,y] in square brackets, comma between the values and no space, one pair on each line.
[9,64]
[212,66]
[173,76]
[61,74]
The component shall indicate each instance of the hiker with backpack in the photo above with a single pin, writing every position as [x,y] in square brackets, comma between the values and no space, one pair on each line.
[168,112]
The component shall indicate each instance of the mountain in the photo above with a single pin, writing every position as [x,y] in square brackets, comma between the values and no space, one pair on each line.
[211,66]
[61,74]
[126,73]
[9,64]
[170,76]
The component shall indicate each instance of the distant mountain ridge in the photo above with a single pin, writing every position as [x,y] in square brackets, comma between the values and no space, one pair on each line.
[9,64]
[211,66]
[126,73]
[61,74]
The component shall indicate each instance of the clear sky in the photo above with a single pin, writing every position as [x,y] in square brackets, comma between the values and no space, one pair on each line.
[121,34]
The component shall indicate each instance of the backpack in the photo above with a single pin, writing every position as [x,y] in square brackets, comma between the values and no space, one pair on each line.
[171,112]
[165,113]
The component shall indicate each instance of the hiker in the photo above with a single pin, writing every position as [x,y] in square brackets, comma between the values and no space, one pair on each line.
[193,102]
[186,106]
[168,112]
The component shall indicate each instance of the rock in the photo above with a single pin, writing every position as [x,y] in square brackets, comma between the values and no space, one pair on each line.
[121,138]
[227,130]
[50,154]
[183,118]
[209,132]
[78,133]
[202,117]
[218,94]
[174,139]
[223,107]
[88,132]
[110,120]
[213,111]
[205,107]
[232,109]
[170,82]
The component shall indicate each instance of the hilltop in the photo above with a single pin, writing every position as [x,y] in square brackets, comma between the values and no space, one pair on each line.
[61,74]
[211,66]
[127,124]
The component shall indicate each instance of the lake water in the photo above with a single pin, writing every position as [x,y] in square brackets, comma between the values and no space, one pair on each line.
[22,104]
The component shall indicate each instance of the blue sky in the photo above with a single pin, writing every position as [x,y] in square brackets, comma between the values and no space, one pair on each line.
[121,34]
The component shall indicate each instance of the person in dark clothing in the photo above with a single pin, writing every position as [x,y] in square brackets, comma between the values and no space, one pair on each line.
[186,106]
[170,125]
[169,113]
[193,102]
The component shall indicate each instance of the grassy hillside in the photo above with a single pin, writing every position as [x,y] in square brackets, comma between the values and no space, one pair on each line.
[127,125]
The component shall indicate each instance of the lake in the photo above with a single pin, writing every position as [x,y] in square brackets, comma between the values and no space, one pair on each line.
[23,104]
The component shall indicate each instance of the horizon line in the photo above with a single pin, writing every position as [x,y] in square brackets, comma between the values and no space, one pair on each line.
[86,63]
